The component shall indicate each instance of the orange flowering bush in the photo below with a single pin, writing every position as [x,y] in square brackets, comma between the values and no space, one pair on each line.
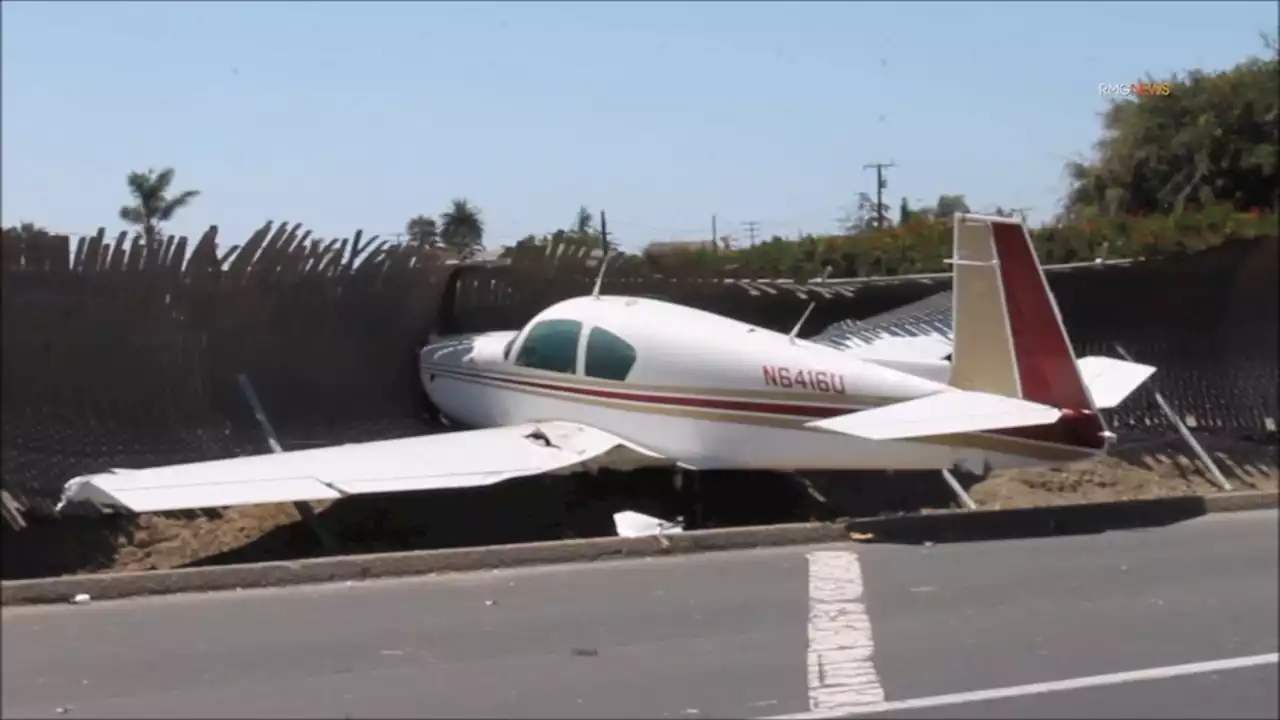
[922,245]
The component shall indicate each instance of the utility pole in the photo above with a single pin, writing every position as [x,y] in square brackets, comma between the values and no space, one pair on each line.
[715,239]
[750,227]
[880,186]
[604,235]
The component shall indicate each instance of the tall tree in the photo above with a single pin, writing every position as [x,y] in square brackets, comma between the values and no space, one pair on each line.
[462,229]
[423,231]
[949,205]
[1211,138]
[584,228]
[584,223]
[153,204]
[864,216]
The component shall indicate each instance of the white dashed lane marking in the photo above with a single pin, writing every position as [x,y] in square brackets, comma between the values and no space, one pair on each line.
[842,675]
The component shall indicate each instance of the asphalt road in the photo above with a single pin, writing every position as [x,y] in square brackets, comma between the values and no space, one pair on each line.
[722,635]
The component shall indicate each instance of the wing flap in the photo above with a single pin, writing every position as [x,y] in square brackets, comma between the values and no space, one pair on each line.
[451,460]
[945,413]
[1110,381]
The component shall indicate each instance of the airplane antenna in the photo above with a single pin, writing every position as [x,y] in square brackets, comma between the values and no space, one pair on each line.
[812,304]
[604,262]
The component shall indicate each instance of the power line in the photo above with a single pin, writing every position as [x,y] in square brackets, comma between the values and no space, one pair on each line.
[881,184]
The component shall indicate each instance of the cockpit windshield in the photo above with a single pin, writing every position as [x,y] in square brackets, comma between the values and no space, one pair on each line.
[551,345]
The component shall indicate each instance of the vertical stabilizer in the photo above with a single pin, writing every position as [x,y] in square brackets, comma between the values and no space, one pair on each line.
[1009,335]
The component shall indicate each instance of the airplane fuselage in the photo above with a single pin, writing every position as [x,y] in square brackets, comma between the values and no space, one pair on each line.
[702,389]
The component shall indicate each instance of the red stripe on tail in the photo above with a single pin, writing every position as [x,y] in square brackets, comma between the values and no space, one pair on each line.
[1046,365]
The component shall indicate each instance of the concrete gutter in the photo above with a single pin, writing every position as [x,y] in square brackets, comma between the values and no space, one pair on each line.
[945,526]
[359,567]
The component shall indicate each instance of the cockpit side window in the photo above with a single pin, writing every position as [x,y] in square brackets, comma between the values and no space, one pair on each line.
[609,357]
[551,345]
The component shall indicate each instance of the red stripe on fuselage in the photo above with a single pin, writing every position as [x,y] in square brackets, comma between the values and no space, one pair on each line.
[707,403]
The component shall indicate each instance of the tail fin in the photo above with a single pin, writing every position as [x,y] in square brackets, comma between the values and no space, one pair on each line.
[1008,333]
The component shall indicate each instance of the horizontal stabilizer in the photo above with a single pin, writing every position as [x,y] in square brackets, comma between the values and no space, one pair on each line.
[471,458]
[1110,381]
[946,413]
[920,347]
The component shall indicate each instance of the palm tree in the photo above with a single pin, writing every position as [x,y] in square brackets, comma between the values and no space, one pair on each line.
[584,222]
[423,231]
[153,204]
[27,229]
[461,229]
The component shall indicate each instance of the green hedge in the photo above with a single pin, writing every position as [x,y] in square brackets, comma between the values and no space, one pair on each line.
[921,246]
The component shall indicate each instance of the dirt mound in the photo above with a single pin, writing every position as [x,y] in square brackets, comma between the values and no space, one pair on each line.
[165,542]
[1114,478]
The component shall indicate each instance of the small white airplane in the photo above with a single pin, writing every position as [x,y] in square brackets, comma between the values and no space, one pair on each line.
[627,382]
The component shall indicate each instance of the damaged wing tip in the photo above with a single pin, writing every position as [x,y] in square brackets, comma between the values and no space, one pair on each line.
[70,492]
[79,489]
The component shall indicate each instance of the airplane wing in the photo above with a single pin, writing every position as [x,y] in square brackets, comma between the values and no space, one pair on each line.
[470,458]
[961,411]
[921,330]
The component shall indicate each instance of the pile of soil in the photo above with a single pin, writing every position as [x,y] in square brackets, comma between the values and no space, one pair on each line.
[1112,478]
[537,512]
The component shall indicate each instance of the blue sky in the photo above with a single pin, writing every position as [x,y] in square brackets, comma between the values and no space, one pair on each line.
[360,115]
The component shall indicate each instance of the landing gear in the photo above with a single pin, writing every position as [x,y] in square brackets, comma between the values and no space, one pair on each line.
[690,494]
[959,490]
[430,412]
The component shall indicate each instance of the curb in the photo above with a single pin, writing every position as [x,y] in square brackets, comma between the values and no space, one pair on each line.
[108,586]
[1240,500]
[1066,519]
[946,526]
